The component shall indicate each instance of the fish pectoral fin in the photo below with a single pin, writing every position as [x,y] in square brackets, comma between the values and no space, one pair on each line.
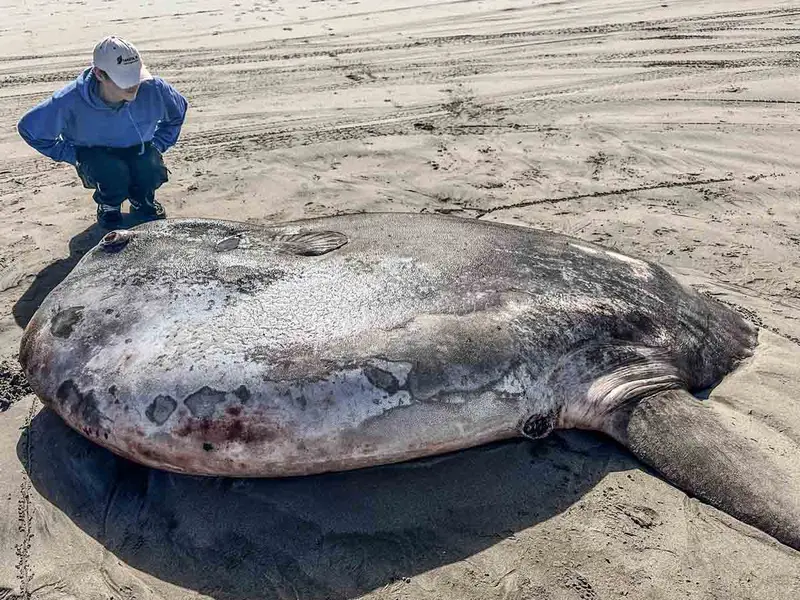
[539,425]
[310,243]
[691,446]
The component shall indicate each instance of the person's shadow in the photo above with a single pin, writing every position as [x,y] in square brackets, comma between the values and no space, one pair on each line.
[48,278]
[337,535]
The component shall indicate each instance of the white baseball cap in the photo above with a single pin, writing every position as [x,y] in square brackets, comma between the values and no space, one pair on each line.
[121,60]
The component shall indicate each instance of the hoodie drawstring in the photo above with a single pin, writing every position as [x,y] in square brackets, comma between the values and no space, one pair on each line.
[136,127]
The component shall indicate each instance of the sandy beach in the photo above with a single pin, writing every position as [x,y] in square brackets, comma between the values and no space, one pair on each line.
[668,130]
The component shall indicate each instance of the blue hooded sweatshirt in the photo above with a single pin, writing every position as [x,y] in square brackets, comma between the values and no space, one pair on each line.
[76,115]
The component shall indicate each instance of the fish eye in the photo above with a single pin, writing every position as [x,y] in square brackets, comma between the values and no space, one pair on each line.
[116,240]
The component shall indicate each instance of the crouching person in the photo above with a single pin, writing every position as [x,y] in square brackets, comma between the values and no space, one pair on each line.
[113,123]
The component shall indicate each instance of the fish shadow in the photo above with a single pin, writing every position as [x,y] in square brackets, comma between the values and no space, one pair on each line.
[336,535]
[53,274]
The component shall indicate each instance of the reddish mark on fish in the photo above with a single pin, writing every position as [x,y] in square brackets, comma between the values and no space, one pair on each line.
[227,429]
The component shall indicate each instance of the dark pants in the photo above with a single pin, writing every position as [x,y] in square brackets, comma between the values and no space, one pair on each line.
[117,174]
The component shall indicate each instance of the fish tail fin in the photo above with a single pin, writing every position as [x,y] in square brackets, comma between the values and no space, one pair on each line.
[691,446]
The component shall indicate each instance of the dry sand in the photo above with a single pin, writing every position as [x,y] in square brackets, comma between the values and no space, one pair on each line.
[666,129]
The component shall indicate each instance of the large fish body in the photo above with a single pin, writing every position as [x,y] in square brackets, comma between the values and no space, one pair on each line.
[224,348]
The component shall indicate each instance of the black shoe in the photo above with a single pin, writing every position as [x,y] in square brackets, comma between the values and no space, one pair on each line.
[149,208]
[108,215]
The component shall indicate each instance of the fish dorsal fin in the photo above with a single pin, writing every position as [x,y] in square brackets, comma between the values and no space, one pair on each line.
[310,243]
[229,243]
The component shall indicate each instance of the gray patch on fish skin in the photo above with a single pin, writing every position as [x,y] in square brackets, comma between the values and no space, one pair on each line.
[82,405]
[160,409]
[63,323]
[242,393]
[381,379]
[203,402]
[247,280]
